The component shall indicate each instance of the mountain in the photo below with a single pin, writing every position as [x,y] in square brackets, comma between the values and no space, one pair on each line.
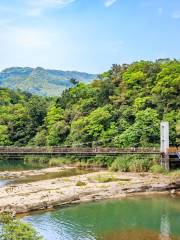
[41,81]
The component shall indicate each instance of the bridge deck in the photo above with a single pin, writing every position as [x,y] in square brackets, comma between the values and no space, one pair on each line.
[83,151]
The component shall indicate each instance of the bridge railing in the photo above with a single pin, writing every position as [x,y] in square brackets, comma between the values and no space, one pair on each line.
[173,150]
[56,150]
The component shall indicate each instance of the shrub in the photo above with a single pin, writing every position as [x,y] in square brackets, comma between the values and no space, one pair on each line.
[36,159]
[157,169]
[175,173]
[132,163]
[103,161]
[58,161]
[80,183]
[140,165]
[104,179]
[120,164]
[14,229]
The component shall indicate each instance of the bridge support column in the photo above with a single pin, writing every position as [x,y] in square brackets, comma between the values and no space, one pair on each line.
[164,146]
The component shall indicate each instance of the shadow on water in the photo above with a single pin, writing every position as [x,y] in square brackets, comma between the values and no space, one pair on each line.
[20,165]
[138,218]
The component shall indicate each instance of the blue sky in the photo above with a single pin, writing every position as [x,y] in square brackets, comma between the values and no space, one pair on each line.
[87,35]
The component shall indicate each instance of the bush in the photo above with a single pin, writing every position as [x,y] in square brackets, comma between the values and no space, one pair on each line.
[120,164]
[46,161]
[104,178]
[58,161]
[140,165]
[175,173]
[95,161]
[36,159]
[103,161]
[132,163]
[14,229]
[80,183]
[157,169]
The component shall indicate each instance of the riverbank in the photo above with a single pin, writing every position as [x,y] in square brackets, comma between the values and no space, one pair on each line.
[30,173]
[45,194]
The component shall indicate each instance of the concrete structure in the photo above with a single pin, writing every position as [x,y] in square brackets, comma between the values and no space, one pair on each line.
[164,146]
[164,137]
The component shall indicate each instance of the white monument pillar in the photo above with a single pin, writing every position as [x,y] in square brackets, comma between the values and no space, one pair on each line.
[164,137]
[164,130]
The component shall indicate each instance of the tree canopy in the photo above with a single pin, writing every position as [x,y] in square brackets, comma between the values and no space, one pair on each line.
[123,107]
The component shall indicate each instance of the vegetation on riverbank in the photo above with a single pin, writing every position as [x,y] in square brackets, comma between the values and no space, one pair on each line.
[123,163]
[14,229]
[122,108]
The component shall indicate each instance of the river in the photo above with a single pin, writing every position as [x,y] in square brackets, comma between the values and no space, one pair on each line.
[153,217]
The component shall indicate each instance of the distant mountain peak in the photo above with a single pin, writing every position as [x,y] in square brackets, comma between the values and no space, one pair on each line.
[41,81]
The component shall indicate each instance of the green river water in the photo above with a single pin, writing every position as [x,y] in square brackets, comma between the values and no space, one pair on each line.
[137,218]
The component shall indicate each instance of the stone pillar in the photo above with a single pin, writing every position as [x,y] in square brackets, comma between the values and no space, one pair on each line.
[164,131]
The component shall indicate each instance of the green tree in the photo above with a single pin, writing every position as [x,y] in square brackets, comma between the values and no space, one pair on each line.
[124,105]
[57,133]
[4,136]
[74,81]
[144,132]
[40,138]
[90,128]
[14,229]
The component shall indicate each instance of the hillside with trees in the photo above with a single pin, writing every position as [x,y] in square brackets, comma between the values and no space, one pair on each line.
[123,107]
[40,81]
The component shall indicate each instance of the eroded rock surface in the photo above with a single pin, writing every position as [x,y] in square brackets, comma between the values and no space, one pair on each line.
[22,198]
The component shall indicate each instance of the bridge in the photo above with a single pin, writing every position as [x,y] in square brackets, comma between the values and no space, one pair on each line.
[57,151]
[169,156]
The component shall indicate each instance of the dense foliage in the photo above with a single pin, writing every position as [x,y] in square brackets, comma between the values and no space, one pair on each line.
[122,108]
[21,114]
[14,229]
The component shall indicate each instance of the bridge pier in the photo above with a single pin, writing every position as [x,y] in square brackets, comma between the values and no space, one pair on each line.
[164,146]
[165,162]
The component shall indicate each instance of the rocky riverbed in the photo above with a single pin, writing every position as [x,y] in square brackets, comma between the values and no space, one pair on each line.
[45,194]
[29,173]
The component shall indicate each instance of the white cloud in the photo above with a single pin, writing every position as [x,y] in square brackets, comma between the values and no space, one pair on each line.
[176,15]
[50,3]
[109,3]
[37,7]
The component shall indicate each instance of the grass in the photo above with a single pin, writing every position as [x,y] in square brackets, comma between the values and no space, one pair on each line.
[156,168]
[131,163]
[58,161]
[47,161]
[104,179]
[80,184]
[174,173]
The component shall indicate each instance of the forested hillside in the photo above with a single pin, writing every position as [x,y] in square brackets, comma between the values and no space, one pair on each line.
[123,107]
[41,81]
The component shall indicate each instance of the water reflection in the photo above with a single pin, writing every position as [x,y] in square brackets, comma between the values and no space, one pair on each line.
[165,228]
[135,235]
[4,182]
[148,218]
[53,175]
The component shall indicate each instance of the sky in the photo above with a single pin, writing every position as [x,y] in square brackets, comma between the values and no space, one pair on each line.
[87,35]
